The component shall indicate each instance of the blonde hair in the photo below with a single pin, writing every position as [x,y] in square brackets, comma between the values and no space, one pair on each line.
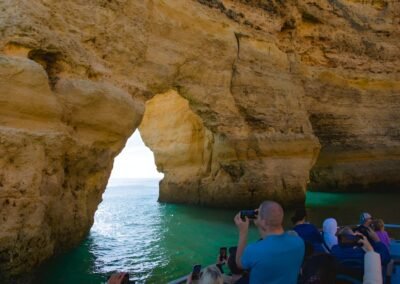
[379,225]
[211,275]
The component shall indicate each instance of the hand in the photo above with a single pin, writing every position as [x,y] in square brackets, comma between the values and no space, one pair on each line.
[116,278]
[243,226]
[373,236]
[219,261]
[189,279]
[366,244]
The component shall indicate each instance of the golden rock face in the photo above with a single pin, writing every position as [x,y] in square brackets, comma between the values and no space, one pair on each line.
[57,149]
[240,101]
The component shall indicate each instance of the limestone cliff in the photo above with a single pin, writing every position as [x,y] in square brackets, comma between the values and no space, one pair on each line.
[57,149]
[239,100]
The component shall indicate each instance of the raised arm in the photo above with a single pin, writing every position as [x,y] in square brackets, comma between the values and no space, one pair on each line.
[243,227]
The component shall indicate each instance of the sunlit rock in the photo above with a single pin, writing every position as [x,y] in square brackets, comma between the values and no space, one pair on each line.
[57,150]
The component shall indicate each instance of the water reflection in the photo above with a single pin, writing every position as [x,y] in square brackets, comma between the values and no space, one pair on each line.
[127,229]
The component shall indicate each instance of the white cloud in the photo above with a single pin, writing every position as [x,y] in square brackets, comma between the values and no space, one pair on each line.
[135,160]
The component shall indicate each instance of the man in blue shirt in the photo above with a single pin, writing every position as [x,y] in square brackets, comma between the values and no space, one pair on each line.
[278,256]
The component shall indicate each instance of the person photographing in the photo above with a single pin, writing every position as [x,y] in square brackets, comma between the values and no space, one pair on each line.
[277,257]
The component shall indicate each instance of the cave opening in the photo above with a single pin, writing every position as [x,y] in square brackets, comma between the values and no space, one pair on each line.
[136,161]
[171,144]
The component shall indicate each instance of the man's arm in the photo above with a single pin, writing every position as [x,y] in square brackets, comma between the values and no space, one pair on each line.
[243,227]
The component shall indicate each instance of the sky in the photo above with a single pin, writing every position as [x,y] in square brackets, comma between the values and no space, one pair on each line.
[135,161]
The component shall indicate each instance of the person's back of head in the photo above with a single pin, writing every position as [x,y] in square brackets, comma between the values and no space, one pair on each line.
[211,275]
[271,214]
[299,215]
[365,218]
[345,231]
[378,225]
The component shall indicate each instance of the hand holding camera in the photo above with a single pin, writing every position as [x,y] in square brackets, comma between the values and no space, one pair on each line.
[241,223]
[251,214]
[242,219]
[365,244]
[372,235]
[347,240]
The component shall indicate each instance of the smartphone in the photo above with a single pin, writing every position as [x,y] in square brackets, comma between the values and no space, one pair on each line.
[251,214]
[349,240]
[196,272]
[223,253]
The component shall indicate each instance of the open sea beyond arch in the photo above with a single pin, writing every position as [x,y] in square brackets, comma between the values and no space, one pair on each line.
[158,242]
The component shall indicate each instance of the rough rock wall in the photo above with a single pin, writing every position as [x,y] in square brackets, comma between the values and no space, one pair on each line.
[264,86]
[56,149]
[352,87]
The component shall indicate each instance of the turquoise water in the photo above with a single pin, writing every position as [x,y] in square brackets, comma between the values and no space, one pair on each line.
[159,242]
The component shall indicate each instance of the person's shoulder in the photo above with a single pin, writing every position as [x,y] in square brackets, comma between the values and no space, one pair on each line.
[300,226]
[253,246]
[291,235]
[310,226]
[292,238]
[307,227]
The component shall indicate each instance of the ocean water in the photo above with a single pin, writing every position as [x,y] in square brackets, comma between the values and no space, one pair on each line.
[158,242]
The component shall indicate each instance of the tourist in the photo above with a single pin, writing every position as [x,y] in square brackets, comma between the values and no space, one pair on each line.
[278,256]
[222,259]
[308,232]
[364,224]
[329,230]
[238,276]
[379,228]
[210,275]
[353,255]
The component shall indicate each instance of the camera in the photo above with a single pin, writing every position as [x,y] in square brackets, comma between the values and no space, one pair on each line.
[349,240]
[251,214]
[363,230]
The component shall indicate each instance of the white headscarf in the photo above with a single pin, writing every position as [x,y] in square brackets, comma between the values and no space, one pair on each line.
[329,227]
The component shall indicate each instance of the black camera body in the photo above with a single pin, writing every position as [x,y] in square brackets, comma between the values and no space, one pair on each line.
[251,214]
[362,229]
[350,240]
